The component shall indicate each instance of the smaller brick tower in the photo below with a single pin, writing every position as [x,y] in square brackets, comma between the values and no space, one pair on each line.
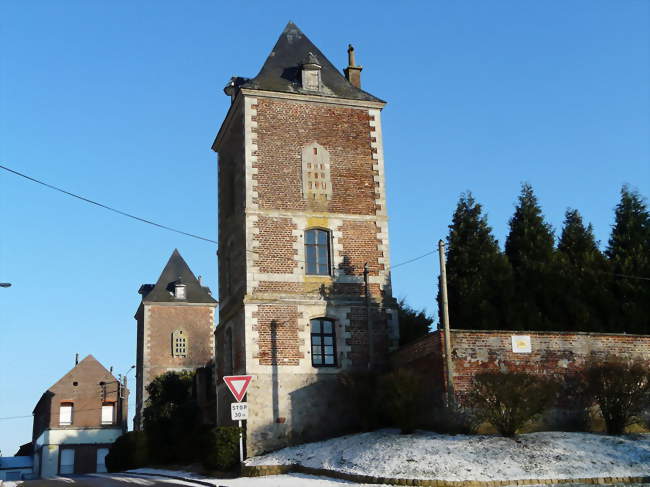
[175,328]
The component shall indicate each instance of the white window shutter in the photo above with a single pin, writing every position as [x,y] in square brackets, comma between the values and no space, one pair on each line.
[65,414]
[107,414]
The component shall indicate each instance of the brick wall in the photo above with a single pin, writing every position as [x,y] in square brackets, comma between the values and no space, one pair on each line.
[552,353]
[274,245]
[277,335]
[360,246]
[284,127]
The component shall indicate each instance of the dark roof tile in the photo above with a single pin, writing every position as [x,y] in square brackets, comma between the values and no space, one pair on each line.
[281,71]
[176,269]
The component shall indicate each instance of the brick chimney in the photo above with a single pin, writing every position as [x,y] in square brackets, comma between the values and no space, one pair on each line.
[353,72]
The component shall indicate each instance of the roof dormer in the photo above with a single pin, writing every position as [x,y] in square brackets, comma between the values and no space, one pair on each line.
[310,75]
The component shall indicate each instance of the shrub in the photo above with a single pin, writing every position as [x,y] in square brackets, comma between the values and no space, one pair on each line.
[621,390]
[399,396]
[127,452]
[222,450]
[572,411]
[360,388]
[508,400]
[455,420]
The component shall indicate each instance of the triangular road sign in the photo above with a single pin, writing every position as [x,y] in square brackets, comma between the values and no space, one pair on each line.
[238,385]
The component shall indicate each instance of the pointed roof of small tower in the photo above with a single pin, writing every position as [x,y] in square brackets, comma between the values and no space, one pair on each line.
[176,272]
[281,71]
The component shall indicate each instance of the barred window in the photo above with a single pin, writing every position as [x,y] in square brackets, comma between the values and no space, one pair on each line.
[317,252]
[323,343]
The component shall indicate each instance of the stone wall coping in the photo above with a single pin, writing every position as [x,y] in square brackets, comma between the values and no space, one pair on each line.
[264,470]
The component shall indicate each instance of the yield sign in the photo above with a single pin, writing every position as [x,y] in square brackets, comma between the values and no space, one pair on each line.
[238,385]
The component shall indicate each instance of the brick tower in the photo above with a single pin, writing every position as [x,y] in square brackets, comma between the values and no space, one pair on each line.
[175,330]
[302,228]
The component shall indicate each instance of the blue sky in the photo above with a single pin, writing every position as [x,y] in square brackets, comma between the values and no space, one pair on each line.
[120,101]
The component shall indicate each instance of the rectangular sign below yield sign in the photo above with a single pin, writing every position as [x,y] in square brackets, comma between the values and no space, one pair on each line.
[238,385]
[239,411]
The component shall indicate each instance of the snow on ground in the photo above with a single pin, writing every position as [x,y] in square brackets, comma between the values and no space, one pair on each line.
[426,455]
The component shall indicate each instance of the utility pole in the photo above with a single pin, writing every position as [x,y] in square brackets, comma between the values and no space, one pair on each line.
[370,337]
[445,323]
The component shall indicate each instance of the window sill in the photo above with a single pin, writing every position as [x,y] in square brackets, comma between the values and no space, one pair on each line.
[317,278]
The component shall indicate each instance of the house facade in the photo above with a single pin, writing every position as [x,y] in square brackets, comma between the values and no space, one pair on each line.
[77,419]
[175,323]
[304,281]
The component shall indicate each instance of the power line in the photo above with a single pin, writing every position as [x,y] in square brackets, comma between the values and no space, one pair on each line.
[119,212]
[159,225]
[165,227]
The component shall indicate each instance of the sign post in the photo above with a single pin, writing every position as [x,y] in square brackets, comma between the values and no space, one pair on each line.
[239,410]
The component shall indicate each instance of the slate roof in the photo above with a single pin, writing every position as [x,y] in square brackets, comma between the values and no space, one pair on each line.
[176,269]
[281,71]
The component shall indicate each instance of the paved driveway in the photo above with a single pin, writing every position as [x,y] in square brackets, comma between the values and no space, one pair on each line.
[132,480]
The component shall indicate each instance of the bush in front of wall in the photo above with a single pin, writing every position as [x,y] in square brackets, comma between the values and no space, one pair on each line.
[454,420]
[399,395]
[508,400]
[621,389]
[222,448]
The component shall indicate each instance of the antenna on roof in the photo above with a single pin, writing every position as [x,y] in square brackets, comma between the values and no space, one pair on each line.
[76,359]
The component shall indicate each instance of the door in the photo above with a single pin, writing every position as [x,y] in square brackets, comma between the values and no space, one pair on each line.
[101,459]
[66,464]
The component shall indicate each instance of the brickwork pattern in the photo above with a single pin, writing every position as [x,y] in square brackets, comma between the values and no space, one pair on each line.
[274,245]
[360,245]
[277,335]
[553,353]
[284,127]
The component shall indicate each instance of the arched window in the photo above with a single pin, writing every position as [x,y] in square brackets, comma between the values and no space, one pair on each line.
[317,252]
[179,344]
[323,343]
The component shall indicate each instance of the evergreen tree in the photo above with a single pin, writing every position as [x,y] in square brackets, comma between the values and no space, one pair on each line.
[413,324]
[172,419]
[529,247]
[583,297]
[629,256]
[478,274]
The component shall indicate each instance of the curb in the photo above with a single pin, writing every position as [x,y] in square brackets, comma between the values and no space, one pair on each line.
[175,477]
[264,470]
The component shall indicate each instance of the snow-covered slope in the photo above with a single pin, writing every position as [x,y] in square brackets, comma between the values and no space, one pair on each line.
[425,455]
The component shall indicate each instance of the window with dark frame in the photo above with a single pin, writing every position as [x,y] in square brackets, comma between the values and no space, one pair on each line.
[323,343]
[317,252]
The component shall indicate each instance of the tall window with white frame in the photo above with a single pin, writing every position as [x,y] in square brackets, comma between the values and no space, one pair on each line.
[323,343]
[317,252]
